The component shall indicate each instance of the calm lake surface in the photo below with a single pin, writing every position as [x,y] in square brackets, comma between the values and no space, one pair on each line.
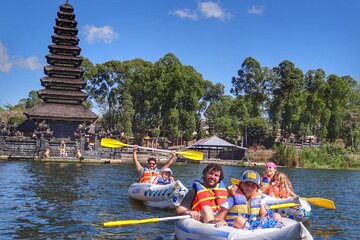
[71,201]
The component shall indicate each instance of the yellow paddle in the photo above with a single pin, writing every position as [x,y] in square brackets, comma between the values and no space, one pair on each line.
[235,181]
[155,220]
[321,202]
[113,143]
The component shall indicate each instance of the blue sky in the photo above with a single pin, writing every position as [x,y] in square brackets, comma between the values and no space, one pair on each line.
[212,36]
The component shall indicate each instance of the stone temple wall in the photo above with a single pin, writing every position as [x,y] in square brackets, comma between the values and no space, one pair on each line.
[26,147]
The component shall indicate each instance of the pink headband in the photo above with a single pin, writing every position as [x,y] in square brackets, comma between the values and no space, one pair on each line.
[271,164]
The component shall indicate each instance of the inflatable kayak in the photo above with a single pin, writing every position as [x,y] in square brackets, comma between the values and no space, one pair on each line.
[300,213]
[186,229]
[158,196]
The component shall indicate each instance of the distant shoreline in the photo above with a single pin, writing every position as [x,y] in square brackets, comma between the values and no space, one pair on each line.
[127,159]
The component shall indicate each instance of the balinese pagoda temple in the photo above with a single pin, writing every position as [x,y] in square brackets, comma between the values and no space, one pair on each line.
[62,97]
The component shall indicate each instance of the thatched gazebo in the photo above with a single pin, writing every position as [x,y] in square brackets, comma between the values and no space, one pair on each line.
[217,148]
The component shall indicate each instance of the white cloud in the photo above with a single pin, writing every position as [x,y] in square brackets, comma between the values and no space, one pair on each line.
[30,62]
[105,34]
[6,64]
[257,10]
[186,13]
[213,10]
[207,9]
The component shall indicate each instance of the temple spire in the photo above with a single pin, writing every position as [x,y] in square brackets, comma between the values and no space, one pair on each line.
[63,96]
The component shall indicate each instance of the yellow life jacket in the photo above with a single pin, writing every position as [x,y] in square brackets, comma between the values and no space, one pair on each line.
[147,174]
[249,209]
[212,197]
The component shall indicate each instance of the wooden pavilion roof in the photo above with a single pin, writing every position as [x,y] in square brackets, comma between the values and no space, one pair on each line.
[55,111]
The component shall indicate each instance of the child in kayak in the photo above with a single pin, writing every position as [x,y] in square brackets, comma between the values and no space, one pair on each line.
[268,175]
[245,205]
[164,178]
[280,187]
[150,170]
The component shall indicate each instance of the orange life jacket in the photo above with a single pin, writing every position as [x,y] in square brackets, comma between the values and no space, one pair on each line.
[212,197]
[279,193]
[147,174]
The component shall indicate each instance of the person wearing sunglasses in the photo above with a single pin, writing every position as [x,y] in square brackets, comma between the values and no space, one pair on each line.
[150,170]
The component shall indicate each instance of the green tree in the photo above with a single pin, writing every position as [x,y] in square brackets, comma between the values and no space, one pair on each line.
[221,120]
[350,125]
[258,131]
[143,97]
[13,114]
[252,84]
[314,105]
[337,98]
[135,98]
[287,96]
[213,92]
[32,100]
[179,88]
[103,87]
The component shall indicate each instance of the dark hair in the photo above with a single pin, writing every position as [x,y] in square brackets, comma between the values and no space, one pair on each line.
[151,159]
[213,167]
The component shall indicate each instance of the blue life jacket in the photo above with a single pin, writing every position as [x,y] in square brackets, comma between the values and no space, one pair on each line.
[162,182]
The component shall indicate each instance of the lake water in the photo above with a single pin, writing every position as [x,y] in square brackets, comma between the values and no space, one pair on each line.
[71,201]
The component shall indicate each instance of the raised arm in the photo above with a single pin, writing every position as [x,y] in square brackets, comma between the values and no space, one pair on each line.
[170,161]
[135,158]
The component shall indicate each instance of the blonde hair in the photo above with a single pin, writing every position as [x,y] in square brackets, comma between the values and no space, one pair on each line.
[285,182]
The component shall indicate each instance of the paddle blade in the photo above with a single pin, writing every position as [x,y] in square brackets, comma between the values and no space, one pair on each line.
[130,222]
[321,202]
[235,181]
[112,143]
[191,154]
[108,145]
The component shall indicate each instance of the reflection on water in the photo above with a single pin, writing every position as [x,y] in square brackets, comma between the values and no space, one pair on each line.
[71,201]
